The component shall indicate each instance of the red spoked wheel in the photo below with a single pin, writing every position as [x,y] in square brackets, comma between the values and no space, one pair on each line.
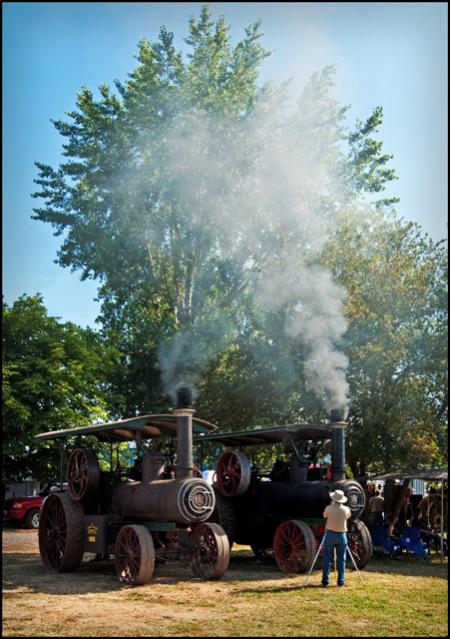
[233,473]
[359,543]
[61,533]
[209,550]
[134,555]
[294,546]
[83,474]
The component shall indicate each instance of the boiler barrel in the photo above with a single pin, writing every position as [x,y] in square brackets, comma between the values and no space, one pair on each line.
[306,499]
[180,500]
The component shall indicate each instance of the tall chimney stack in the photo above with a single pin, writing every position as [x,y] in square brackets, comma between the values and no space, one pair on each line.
[337,425]
[184,412]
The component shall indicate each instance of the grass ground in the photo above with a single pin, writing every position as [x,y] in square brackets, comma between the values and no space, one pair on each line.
[399,597]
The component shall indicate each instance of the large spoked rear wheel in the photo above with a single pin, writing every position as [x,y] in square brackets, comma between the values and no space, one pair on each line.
[210,551]
[359,543]
[134,555]
[294,546]
[61,530]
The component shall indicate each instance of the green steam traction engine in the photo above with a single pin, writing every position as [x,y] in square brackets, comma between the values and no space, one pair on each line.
[148,513]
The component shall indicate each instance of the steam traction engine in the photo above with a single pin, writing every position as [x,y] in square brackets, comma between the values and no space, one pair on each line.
[280,514]
[144,514]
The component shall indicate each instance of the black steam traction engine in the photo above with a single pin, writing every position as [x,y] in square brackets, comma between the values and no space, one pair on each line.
[150,512]
[280,514]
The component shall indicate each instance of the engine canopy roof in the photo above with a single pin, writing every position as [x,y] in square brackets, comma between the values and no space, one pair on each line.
[269,435]
[142,427]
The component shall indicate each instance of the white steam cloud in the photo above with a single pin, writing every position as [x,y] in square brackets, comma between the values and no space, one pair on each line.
[185,357]
[315,313]
[263,193]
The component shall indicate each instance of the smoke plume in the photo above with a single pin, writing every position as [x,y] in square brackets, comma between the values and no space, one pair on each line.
[257,195]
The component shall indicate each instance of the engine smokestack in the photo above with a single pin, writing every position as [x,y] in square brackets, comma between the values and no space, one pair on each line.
[184,412]
[338,425]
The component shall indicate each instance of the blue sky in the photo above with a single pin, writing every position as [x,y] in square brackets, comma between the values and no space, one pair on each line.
[389,54]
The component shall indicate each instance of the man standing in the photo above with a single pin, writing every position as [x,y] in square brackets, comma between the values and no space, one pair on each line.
[376,507]
[336,515]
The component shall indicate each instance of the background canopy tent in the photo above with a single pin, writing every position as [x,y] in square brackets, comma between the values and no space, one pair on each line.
[433,474]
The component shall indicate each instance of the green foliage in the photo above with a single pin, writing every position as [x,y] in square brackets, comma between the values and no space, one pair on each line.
[118,197]
[54,376]
[370,173]
[396,283]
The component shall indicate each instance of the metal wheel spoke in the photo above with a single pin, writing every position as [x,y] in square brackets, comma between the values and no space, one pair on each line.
[48,522]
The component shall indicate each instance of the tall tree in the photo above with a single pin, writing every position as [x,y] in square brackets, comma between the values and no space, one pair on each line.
[397,292]
[131,200]
[191,188]
[54,376]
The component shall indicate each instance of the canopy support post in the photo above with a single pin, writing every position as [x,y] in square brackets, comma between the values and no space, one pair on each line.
[61,446]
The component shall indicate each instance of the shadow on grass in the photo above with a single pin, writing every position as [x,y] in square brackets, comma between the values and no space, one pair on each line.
[278,589]
[24,571]
[408,566]
[402,565]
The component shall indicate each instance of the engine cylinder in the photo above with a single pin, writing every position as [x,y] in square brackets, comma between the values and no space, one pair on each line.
[181,500]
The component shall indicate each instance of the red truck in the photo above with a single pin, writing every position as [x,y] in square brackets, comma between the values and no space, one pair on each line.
[25,510]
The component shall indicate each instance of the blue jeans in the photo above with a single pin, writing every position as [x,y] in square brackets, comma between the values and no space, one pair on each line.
[339,541]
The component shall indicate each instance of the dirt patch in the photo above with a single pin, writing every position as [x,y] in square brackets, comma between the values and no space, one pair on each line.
[20,540]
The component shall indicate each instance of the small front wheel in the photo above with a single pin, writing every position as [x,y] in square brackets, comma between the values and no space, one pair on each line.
[209,550]
[134,555]
[359,544]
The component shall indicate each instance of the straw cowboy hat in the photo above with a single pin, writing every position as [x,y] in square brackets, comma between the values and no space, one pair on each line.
[338,496]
